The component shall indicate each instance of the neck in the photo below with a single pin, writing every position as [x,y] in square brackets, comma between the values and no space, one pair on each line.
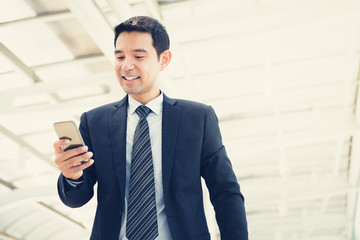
[145,98]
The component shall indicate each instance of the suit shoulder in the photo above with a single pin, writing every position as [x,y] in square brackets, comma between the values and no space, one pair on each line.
[102,107]
[191,105]
[106,107]
[196,109]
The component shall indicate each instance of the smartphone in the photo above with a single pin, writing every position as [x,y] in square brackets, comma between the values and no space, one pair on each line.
[69,130]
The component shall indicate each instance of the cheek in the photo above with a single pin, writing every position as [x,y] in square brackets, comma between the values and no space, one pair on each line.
[117,66]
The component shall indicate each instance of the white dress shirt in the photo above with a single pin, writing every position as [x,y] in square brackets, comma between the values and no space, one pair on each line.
[155,122]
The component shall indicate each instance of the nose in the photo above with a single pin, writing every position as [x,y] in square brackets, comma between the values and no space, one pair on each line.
[127,65]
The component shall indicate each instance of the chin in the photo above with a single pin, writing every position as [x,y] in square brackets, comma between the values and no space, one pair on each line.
[131,90]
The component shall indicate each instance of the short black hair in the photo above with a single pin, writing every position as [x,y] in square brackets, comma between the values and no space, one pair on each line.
[160,37]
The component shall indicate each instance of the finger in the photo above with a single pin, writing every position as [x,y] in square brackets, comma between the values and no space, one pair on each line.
[62,157]
[74,152]
[77,170]
[77,160]
[84,165]
[58,145]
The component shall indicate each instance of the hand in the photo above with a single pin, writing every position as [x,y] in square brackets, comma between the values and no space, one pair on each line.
[69,163]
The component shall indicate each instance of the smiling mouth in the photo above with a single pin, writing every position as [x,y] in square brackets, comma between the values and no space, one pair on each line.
[130,78]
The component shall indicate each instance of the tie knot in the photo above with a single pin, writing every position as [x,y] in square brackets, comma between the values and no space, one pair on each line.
[142,111]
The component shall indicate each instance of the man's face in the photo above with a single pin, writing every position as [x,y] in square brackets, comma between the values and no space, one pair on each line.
[137,65]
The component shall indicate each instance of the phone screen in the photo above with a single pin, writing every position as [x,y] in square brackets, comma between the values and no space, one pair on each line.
[69,130]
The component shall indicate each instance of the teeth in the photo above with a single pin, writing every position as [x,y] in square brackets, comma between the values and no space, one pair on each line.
[131,78]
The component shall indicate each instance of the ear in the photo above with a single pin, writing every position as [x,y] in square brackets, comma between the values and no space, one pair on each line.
[165,58]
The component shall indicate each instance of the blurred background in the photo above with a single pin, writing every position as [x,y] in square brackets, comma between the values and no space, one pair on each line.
[283,77]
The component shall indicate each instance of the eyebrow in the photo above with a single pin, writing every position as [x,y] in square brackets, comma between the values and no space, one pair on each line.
[135,50]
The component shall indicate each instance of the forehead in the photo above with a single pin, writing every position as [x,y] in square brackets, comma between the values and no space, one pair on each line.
[134,40]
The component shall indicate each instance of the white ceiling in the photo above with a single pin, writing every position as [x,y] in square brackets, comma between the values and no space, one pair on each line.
[283,77]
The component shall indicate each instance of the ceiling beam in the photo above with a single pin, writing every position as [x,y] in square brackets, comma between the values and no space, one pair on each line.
[27,146]
[339,151]
[297,192]
[270,91]
[297,235]
[257,18]
[25,196]
[36,197]
[7,184]
[45,17]
[357,97]
[353,211]
[95,23]
[21,67]
[154,9]
[122,9]
[255,204]
[18,64]
[18,217]
[8,236]
[84,59]
[44,225]
[296,223]
[58,214]
[240,148]
[107,80]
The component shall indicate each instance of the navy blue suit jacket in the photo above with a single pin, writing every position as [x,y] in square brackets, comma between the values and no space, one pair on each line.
[191,148]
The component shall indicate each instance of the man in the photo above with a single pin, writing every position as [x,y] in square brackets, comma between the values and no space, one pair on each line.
[149,154]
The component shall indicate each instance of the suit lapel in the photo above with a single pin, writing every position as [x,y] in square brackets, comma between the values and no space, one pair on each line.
[170,124]
[118,121]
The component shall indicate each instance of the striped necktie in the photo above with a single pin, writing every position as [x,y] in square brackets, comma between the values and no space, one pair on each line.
[141,215]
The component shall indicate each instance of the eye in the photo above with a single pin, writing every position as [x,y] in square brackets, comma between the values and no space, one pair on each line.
[139,57]
[120,58]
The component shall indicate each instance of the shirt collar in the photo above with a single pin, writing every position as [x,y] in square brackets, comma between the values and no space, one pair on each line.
[155,105]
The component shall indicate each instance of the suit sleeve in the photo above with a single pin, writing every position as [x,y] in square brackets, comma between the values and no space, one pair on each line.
[222,183]
[83,192]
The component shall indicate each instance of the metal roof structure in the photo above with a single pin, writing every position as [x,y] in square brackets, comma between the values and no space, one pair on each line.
[283,77]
